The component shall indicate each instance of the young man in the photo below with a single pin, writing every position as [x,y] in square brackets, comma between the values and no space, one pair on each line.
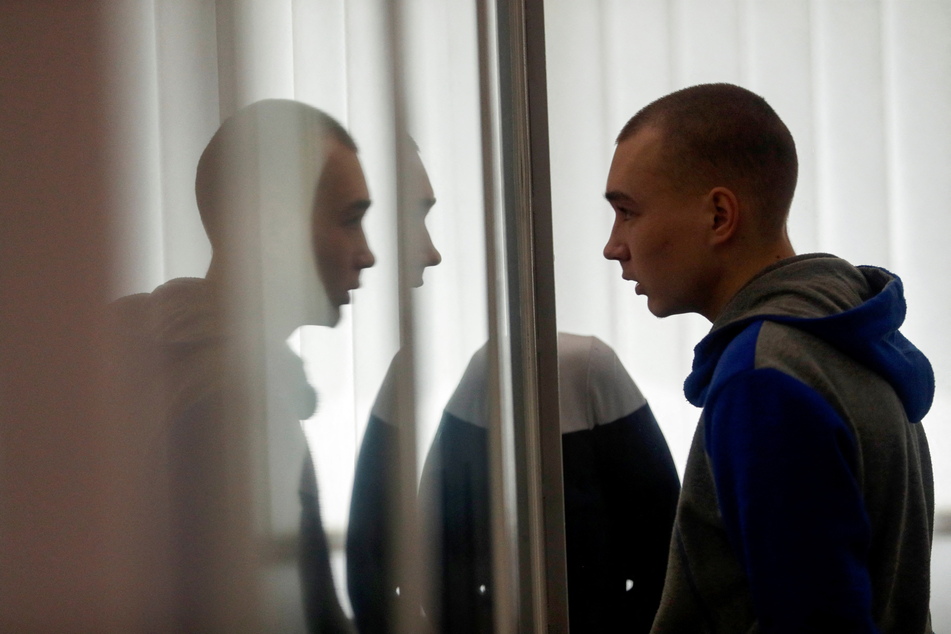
[807,499]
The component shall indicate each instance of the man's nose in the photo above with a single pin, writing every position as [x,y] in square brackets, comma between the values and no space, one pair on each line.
[365,257]
[432,257]
[614,249]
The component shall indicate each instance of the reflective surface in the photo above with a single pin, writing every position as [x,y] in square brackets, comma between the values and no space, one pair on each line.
[269,349]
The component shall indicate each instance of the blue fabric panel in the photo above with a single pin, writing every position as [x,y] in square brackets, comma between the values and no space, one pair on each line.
[783,464]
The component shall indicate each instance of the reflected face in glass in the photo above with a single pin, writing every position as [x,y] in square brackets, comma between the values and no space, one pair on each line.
[424,199]
[659,229]
[340,244]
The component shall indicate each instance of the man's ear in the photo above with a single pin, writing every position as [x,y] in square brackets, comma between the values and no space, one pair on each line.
[725,209]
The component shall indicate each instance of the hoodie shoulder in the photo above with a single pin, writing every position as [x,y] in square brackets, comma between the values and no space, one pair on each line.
[853,311]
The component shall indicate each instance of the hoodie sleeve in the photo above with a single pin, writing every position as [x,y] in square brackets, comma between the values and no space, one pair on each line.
[783,465]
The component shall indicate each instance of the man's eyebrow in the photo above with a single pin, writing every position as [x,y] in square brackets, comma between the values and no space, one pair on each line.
[616,196]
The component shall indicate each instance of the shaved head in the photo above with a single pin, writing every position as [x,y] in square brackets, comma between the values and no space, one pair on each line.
[262,128]
[724,135]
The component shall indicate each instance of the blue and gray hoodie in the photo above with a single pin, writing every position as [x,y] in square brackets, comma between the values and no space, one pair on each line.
[807,501]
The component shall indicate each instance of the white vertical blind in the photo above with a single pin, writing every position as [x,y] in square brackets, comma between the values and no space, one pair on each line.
[918,118]
[133,113]
[865,87]
[187,117]
[780,63]
[850,131]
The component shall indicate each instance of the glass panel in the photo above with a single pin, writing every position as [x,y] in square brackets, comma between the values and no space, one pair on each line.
[280,286]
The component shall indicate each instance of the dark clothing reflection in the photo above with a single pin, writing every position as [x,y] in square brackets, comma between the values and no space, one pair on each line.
[371,582]
[621,490]
[321,608]
[370,543]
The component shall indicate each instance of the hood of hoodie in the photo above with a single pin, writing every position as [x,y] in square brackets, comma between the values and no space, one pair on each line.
[182,322]
[180,312]
[858,310]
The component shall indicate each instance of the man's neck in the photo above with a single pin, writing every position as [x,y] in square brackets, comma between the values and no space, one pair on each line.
[738,275]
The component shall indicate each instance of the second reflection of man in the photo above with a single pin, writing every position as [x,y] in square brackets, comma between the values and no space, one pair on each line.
[620,488]
[370,581]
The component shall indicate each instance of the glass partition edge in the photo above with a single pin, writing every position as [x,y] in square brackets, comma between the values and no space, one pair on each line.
[542,592]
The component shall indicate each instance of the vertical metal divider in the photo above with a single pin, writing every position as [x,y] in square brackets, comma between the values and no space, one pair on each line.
[543,593]
[500,421]
[409,559]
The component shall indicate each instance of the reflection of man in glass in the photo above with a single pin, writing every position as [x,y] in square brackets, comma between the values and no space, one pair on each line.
[368,535]
[339,242]
[282,197]
[620,488]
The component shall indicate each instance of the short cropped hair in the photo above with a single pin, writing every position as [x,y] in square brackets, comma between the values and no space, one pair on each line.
[262,128]
[721,134]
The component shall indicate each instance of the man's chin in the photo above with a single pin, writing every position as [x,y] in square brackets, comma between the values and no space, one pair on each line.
[331,317]
[327,315]
[657,309]
[661,310]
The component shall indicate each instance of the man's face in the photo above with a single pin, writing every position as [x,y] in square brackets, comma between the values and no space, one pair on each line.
[660,232]
[424,199]
[339,241]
